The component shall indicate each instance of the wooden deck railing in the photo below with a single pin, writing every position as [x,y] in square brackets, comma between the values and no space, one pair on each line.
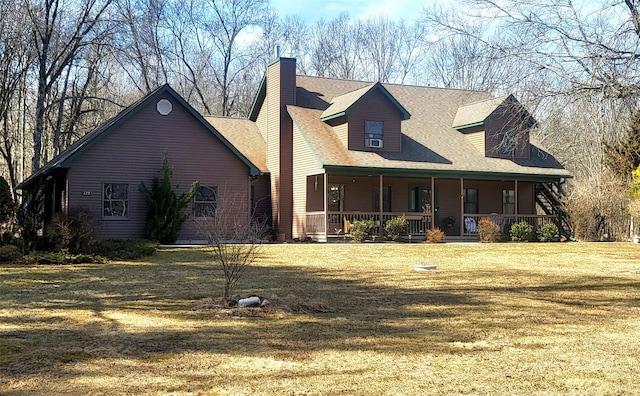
[504,221]
[337,223]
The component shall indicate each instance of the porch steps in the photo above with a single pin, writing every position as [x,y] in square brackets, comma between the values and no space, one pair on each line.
[549,199]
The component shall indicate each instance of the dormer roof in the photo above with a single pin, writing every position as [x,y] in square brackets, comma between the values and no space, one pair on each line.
[430,145]
[343,104]
[477,113]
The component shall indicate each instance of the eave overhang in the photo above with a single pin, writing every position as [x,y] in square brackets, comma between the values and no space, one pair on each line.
[441,173]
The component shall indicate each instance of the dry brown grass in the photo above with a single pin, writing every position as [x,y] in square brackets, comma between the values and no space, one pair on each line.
[493,319]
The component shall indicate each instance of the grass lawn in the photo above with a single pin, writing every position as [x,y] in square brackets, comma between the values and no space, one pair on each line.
[528,318]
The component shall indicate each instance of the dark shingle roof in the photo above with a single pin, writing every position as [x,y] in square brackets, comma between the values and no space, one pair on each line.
[342,105]
[477,112]
[430,144]
[245,136]
[66,158]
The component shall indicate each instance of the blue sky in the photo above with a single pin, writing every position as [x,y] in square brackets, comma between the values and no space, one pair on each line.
[313,10]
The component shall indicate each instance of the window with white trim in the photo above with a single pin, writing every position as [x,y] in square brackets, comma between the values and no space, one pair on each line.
[115,200]
[373,133]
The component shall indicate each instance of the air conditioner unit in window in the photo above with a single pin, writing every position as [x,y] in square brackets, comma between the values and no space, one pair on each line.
[377,143]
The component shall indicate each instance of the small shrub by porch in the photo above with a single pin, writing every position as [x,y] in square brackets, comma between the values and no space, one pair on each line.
[360,230]
[488,231]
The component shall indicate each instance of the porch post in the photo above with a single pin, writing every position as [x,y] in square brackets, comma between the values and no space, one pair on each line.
[516,198]
[380,204]
[461,206]
[433,203]
[325,182]
[54,196]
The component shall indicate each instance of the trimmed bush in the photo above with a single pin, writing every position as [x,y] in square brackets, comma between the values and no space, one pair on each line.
[488,231]
[435,235]
[9,253]
[114,249]
[61,258]
[521,231]
[395,227]
[361,230]
[548,233]
[71,233]
[47,258]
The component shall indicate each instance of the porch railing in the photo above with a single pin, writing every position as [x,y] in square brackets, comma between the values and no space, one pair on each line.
[504,221]
[338,223]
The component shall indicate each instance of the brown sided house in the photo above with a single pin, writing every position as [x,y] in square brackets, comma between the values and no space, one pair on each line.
[101,173]
[316,154]
[341,150]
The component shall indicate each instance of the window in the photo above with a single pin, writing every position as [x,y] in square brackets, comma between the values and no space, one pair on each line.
[471,200]
[336,197]
[420,199]
[373,133]
[205,201]
[508,202]
[386,199]
[115,200]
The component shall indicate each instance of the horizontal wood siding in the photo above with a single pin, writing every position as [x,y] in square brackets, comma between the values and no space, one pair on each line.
[448,203]
[315,193]
[490,195]
[341,128]
[133,153]
[287,97]
[281,91]
[375,107]
[526,198]
[504,119]
[262,199]
[477,139]
[272,104]
[305,164]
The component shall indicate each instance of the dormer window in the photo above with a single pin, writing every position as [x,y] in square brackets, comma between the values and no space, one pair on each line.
[374,134]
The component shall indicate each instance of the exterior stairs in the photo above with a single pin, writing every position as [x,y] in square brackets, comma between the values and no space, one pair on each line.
[549,200]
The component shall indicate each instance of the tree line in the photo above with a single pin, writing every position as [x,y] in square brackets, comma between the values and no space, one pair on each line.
[68,65]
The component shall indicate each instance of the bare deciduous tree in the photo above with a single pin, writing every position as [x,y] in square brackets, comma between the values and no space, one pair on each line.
[15,59]
[234,238]
[143,53]
[59,31]
[337,49]
[586,47]
[220,24]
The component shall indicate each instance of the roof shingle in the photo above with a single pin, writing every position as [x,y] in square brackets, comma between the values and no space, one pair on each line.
[429,141]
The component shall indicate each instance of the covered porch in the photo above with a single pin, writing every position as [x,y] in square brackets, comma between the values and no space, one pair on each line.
[455,205]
